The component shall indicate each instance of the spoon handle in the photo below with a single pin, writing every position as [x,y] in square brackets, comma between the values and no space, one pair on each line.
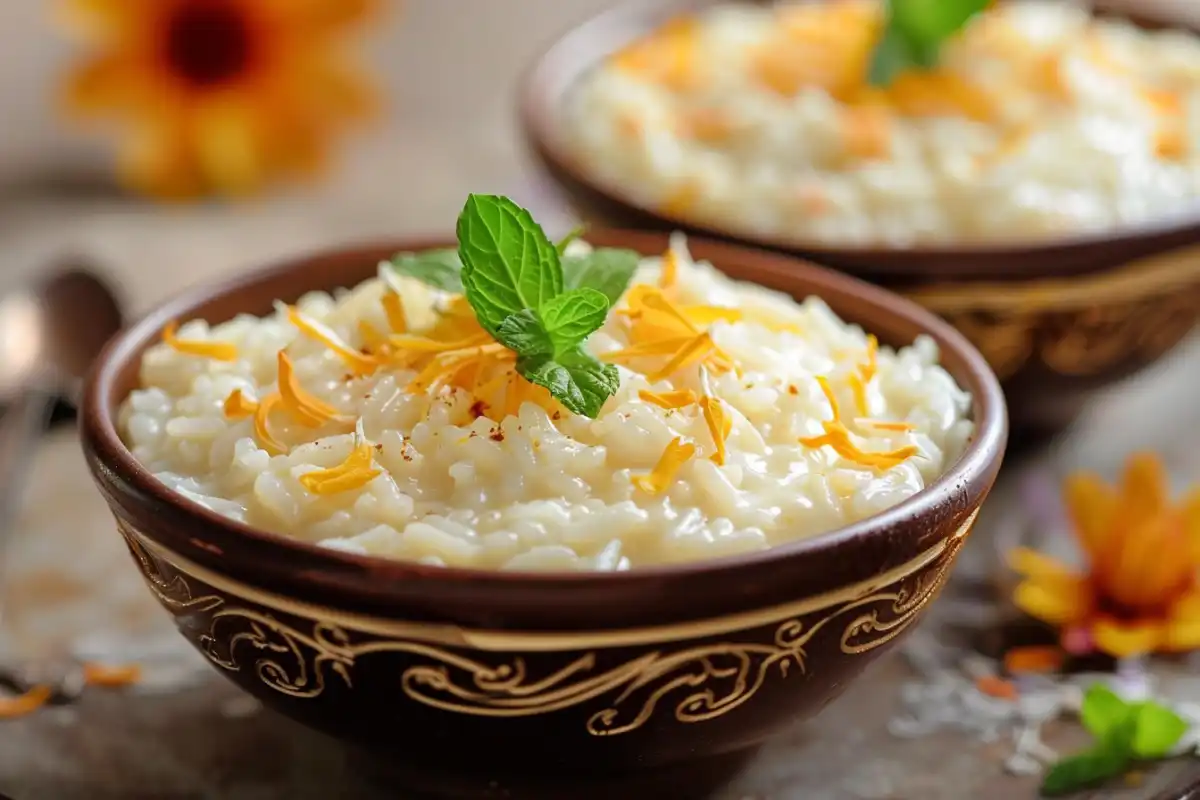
[20,428]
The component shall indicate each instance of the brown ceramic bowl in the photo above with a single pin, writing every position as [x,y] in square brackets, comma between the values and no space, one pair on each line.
[498,676]
[1058,319]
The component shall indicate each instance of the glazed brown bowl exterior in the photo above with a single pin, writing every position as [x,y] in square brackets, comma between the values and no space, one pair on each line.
[501,676]
[1057,319]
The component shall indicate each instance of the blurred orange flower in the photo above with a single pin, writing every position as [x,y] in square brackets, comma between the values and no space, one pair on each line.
[1140,593]
[219,96]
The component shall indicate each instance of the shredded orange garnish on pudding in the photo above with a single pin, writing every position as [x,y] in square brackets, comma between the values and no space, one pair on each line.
[309,411]
[863,375]
[218,351]
[393,306]
[885,425]
[359,364]
[111,676]
[353,473]
[719,423]
[670,269]
[837,436]
[658,328]
[238,406]
[262,430]
[374,342]
[681,398]
[668,466]
[24,704]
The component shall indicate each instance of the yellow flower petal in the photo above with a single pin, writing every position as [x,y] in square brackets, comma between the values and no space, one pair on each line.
[1125,639]
[691,353]
[670,269]
[218,351]
[1092,506]
[1030,563]
[1059,602]
[227,143]
[668,466]
[1144,487]
[1183,624]
[1150,566]
[353,473]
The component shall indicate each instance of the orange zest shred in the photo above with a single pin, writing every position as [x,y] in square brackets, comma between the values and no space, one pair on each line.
[238,406]
[691,353]
[670,269]
[681,398]
[662,347]
[719,423]
[996,687]
[24,704]
[871,365]
[309,411]
[1039,659]
[393,306]
[885,424]
[837,437]
[374,342]
[359,364]
[353,473]
[218,351]
[858,388]
[111,676]
[262,429]
[668,466]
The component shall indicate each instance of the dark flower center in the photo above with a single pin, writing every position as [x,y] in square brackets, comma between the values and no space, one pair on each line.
[207,42]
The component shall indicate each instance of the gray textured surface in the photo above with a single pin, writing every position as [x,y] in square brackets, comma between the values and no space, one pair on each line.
[69,585]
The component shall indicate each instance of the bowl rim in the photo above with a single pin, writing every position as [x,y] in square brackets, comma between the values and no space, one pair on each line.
[110,461]
[541,122]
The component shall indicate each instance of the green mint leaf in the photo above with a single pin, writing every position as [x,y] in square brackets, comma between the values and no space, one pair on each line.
[440,269]
[1086,769]
[1103,712]
[608,270]
[508,263]
[1156,730]
[575,378]
[573,316]
[914,34]
[524,334]
[571,236]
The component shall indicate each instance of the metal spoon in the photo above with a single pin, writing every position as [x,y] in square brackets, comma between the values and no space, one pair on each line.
[49,335]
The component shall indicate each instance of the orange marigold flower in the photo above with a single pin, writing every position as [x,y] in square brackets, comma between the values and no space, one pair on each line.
[219,96]
[1140,592]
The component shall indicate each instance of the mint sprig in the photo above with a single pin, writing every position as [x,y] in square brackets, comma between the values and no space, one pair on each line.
[531,298]
[440,269]
[1125,733]
[915,32]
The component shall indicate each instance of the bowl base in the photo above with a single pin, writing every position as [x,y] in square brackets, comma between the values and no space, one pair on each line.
[688,780]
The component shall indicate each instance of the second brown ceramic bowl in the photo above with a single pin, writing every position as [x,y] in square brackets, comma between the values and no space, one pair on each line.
[1058,320]
[478,682]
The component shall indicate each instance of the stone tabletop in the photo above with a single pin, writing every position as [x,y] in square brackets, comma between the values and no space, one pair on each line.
[184,733]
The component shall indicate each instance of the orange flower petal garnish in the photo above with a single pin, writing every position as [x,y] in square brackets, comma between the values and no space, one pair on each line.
[359,364]
[859,389]
[393,306]
[663,347]
[262,428]
[218,351]
[111,676]
[837,437]
[237,406]
[374,342]
[668,466]
[719,423]
[353,473]
[681,398]
[25,704]
[309,411]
